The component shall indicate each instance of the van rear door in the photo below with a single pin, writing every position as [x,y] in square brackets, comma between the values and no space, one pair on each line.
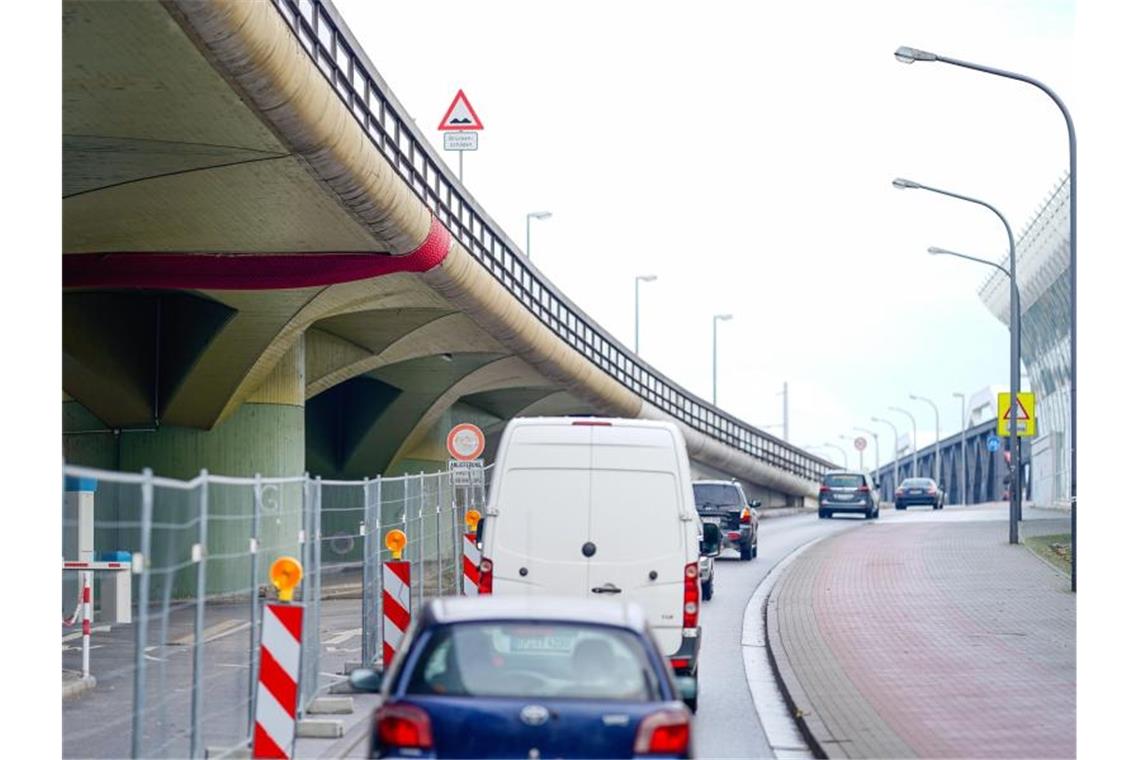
[543,520]
[636,527]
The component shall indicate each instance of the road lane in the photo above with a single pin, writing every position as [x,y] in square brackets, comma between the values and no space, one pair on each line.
[726,722]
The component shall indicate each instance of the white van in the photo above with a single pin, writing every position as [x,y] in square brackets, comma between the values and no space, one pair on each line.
[599,507]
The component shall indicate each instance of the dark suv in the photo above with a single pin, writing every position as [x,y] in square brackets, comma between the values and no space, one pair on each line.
[848,492]
[724,501]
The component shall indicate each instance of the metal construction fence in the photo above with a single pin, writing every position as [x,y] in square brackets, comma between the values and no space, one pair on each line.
[180,677]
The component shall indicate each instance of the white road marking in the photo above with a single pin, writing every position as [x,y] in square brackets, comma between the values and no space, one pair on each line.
[79,634]
[342,637]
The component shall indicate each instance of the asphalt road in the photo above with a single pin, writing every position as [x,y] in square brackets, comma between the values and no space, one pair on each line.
[726,721]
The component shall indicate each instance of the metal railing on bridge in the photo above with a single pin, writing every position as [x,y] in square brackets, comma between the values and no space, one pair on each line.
[181,677]
[326,38]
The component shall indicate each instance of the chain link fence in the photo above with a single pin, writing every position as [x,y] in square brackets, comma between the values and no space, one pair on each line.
[180,677]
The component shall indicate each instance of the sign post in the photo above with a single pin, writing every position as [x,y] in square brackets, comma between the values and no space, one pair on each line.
[860,444]
[458,126]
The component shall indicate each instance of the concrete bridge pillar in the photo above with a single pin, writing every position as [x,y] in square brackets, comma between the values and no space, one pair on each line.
[265,435]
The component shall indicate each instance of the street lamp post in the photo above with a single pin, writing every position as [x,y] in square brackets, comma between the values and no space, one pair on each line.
[894,430]
[875,437]
[534,215]
[637,308]
[859,450]
[1014,348]
[937,438]
[962,482]
[914,439]
[910,55]
[717,318]
[841,450]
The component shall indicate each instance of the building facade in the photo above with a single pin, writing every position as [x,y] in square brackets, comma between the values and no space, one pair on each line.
[1043,277]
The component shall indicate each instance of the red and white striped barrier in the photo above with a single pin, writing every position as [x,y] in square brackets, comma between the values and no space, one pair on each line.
[397,605]
[470,565]
[280,668]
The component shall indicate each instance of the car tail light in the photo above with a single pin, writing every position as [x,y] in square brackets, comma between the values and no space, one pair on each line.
[486,575]
[899,491]
[692,595]
[745,516]
[932,491]
[824,489]
[864,489]
[404,726]
[665,732]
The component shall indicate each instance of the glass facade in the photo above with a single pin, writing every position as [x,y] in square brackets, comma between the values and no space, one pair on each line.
[1043,276]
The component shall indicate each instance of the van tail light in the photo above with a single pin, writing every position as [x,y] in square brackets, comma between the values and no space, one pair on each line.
[403,726]
[486,575]
[864,489]
[824,489]
[692,595]
[745,516]
[665,732]
[932,491]
[899,491]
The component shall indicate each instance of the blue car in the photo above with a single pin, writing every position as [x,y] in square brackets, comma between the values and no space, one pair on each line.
[529,677]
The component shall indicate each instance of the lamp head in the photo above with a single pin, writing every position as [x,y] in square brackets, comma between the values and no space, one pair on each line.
[936,251]
[910,55]
[540,214]
[647,277]
[904,184]
[723,317]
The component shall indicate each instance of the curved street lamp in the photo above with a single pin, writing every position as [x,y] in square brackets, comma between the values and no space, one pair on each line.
[637,308]
[937,437]
[910,55]
[717,318]
[914,440]
[894,430]
[1014,346]
[534,215]
[841,450]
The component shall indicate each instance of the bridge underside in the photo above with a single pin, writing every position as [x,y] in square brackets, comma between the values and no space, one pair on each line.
[250,285]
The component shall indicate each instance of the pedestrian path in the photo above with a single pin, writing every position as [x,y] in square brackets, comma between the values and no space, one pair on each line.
[928,638]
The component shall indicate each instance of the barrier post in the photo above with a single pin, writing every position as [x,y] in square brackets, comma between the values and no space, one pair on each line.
[198,554]
[471,554]
[140,564]
[275,727]
[254,540]
[397,595]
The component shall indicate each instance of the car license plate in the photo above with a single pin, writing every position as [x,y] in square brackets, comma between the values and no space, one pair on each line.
[542,643]
[916,490]
[843,496]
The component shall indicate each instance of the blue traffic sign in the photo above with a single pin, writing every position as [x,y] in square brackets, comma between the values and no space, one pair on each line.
[993,443]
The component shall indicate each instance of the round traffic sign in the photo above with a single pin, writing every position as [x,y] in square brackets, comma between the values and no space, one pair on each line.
[465,442]
[993,443]
[860,443]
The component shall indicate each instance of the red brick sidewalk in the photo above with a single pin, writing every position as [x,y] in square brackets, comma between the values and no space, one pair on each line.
[932,639]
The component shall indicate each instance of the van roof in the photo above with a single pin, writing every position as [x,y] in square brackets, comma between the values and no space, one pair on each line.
[456,609]
[612,421]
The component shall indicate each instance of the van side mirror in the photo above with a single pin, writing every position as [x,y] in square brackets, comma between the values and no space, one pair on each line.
[755,504]
[479,531]
[710,540]
[687,686]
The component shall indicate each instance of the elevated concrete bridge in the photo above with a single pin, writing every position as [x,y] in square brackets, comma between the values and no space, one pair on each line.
[267,268]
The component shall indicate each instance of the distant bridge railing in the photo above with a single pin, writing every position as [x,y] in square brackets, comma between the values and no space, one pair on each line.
[328,41]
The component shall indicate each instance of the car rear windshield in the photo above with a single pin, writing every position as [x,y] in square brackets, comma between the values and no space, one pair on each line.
[917,483]
[843,481]
[529,660]
[713,495]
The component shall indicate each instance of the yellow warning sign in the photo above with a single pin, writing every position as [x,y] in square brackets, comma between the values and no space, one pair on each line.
[1023,415]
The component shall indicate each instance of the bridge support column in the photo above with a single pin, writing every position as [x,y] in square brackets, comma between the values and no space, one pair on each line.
[265,435]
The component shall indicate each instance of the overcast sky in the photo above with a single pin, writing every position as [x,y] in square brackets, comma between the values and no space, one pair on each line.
[743,153]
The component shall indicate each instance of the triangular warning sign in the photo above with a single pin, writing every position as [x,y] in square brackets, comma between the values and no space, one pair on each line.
[1022,414]
[460,115]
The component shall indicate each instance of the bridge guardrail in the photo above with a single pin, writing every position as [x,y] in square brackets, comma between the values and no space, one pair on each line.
[326,38]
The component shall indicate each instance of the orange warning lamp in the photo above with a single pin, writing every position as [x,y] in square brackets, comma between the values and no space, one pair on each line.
[285,573]
[396,540]
[472,519]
